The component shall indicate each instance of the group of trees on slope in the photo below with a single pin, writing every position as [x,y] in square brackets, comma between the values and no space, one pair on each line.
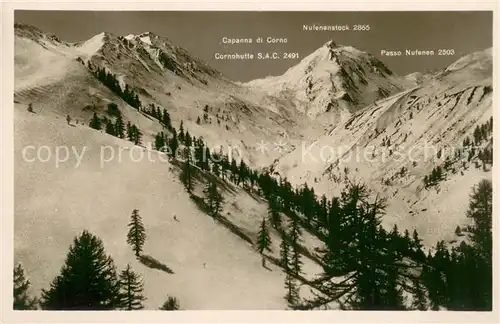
[111,81]
[365,266]
[470,150]
[89,280]
[379,268]
[129,131]
[350,227]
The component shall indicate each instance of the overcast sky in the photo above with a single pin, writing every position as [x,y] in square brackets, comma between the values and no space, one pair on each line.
[201,33]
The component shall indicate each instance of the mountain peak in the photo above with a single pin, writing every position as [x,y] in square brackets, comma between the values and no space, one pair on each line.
[331,44]
[147,33]
[146,37]
[33,33]
[334,78]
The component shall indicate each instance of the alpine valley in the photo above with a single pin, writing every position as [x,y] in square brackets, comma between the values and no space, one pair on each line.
[406,150]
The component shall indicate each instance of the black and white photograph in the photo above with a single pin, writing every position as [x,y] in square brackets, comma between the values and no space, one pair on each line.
[252,160]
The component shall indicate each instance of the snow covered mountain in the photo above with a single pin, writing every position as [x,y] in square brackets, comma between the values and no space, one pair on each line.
[56,75]
[417,78]
[336,102]
[395,143]
[334,79]
[212,268]
[53,203]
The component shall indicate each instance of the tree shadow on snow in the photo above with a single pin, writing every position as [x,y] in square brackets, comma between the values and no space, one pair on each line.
[201,176]
[267,268]
[200,203]
[152,263]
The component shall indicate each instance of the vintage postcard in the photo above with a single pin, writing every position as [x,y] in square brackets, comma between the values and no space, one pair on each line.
[312,161]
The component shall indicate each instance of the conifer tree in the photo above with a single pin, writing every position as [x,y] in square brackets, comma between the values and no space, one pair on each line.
[131,290]
[158,114]
[130,134]
[137,135]
[199,151]
[186,175]
[136,236]
[416,240]
[480,211]
[392,297]
[87,280]
[285,255]
[263,241]
[295,234]
[171,304]
[481,279]
[137,102]
[322,213]
[233,170]
[292,292]
[119,127]
[166,119]
[419,295]
[332,257]
[110,129]
[188,140]
[126,93]
[216,169]
[367,269]
[113,109]
[434,276]
[205,165]
[213,198]
[22,300]
[134,134]
[159,142]
[291,289]
[95,122]
[173,145]
[243,173]
[273,212]
[391,294]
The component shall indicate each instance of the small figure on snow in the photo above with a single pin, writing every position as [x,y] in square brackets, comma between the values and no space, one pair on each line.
[68,119]
[204,265]
[30,108]
[175,218]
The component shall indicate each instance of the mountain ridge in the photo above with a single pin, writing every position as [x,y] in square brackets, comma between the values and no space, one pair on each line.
[60,79]
[334,78]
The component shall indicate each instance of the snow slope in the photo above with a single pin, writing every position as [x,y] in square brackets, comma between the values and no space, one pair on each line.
[55,203]
[55,74]
[338,98]
[381,139]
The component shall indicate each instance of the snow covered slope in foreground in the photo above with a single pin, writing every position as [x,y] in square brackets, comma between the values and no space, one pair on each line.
[54,204]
